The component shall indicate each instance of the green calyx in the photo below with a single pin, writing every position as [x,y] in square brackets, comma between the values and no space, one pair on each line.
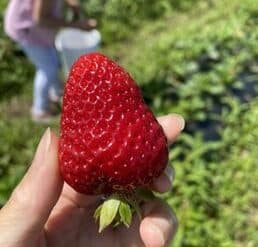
[114,211]
[119,208]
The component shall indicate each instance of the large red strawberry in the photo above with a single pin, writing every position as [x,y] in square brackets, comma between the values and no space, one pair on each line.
[110,141]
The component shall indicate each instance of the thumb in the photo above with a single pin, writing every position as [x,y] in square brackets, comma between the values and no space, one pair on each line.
[33,199]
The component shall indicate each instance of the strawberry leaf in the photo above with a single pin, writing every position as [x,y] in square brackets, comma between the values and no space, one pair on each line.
[97,212]
[135,205]
[125,214]
[108,213]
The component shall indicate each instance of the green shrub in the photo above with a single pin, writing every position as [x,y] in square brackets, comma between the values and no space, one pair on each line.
[215,189]
[121,19]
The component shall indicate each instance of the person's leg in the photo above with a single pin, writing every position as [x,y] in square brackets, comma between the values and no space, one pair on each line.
[55,84]
[40,93]
[46,61]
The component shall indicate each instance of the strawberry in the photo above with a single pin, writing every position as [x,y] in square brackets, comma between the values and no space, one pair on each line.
[110,141]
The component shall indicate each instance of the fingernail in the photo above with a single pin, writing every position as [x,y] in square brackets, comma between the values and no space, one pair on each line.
[181,121]
[159,239]
[43,146]
[163,226]
[169,173]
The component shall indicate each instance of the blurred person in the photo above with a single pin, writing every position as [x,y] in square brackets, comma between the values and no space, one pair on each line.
[33,24]
[44,212]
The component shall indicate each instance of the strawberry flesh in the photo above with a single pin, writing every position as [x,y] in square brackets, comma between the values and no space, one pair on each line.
[110,141]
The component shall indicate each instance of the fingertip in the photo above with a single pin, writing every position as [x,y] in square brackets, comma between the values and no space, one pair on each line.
[172,125]
[159,225]
[177,119]
[164,182]
[151,234]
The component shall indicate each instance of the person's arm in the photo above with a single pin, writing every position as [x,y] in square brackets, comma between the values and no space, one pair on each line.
[42,14]
[73,3]
[75,6]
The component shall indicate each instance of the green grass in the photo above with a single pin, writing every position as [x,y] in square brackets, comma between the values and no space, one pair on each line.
[198,60]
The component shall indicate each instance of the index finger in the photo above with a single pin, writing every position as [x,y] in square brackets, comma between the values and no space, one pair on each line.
[172,125]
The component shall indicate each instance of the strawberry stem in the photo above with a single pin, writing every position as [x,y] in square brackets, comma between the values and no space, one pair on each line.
[118,208]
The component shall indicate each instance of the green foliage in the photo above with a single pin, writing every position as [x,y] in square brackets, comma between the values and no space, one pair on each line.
[198,62]
[196,58]
[18,138]
[215,191]
[121,18]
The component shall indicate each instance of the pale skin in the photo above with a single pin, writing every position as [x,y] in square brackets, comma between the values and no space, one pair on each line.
[43,211]
[42,14]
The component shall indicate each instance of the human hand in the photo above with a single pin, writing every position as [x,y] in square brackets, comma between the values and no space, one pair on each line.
[75,6]
[42,211]
[86,25]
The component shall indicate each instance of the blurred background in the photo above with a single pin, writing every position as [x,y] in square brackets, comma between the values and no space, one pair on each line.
[195,58]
